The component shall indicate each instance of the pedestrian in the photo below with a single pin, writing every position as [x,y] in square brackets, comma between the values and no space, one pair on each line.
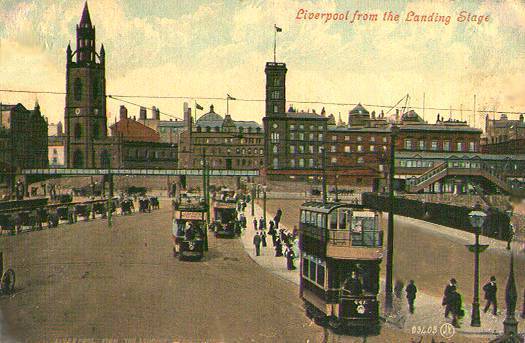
[255,224]
[263,239]
[273,233]
[257,243]
[290,255]
[278,248]
[282,235]
[398,288]
[491,290]
[456,307]
[452,285]
[411,291]
[261,223]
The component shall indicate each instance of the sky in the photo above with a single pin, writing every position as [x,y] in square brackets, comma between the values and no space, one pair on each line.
[196,49]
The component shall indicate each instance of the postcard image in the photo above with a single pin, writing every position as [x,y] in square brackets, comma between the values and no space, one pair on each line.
[262,171]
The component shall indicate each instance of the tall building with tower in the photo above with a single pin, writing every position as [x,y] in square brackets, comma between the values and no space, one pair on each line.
[87,142]
[294,140]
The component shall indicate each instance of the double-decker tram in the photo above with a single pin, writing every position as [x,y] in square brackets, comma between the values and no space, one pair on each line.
[224,218]
[341,250]
[189,228]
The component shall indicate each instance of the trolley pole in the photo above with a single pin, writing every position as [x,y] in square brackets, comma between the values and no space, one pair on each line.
[390,238]
[205,196]
[253,199]
[110,199]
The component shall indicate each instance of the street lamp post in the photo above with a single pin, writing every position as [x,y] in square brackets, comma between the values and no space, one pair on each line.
[390,236]
[253,199]
[477,218]
[264,206]
[510,232]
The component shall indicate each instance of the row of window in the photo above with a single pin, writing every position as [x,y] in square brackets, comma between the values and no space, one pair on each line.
[412,144]
[228,163]
[221,129]
[371,139]
[311,136]
[314,269]
[230,140]
[148,154]
[311,163]
[238,151]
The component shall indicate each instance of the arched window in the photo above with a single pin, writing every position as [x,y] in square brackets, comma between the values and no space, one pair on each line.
[78,131]
[96,131]
[96,88]
[78,89]
[78,159]
[105,160]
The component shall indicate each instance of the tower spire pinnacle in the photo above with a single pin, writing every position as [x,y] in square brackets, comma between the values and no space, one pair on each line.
[85,21]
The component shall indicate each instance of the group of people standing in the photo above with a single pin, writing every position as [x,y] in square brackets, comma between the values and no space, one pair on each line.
[281,238]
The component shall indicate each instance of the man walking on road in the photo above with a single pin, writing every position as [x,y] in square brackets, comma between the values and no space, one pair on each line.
[257,243]
[446,297]
[255,223]
[491,290]
[411,291]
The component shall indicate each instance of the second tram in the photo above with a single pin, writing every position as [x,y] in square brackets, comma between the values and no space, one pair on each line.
[341,250]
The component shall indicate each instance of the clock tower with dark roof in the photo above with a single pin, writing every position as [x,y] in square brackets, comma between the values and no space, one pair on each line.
[85,110]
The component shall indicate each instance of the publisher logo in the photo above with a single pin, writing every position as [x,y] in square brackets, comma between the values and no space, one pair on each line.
[447,330]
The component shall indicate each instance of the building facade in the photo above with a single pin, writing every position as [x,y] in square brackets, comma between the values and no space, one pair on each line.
[503,129]
[23,140]
[139,146]
[415,134]
[224,143]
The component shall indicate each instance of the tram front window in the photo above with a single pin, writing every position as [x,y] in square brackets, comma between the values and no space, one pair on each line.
[361,278]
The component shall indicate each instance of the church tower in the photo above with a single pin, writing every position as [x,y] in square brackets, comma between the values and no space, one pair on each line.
[85,110]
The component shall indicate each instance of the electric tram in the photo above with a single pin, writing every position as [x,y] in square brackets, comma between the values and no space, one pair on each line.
[341,250]
[224,218]
[189,228]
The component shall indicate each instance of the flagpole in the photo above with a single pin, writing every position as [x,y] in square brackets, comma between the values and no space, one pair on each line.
[274,43]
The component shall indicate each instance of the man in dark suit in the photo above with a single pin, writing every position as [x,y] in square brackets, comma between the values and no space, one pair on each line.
[491,290]
[411,291]
[452,286]
[257,243]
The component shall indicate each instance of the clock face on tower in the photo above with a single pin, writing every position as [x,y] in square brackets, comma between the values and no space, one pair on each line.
[77,111]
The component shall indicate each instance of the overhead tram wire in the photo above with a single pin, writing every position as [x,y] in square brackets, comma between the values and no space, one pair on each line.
[120,97]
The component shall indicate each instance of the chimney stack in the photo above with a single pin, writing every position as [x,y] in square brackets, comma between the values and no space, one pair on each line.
[59,129]
[123,112]
[142,113]
[155,113]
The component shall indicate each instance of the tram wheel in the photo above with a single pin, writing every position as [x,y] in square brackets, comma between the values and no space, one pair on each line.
[8,281]
[181,257]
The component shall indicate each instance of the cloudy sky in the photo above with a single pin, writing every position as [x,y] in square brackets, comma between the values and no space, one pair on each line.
[207,49]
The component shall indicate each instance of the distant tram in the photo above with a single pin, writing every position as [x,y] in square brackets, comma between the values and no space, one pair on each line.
[341,250]
[189,228]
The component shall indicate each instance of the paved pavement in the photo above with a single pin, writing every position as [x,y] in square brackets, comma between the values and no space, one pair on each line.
[429,311]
